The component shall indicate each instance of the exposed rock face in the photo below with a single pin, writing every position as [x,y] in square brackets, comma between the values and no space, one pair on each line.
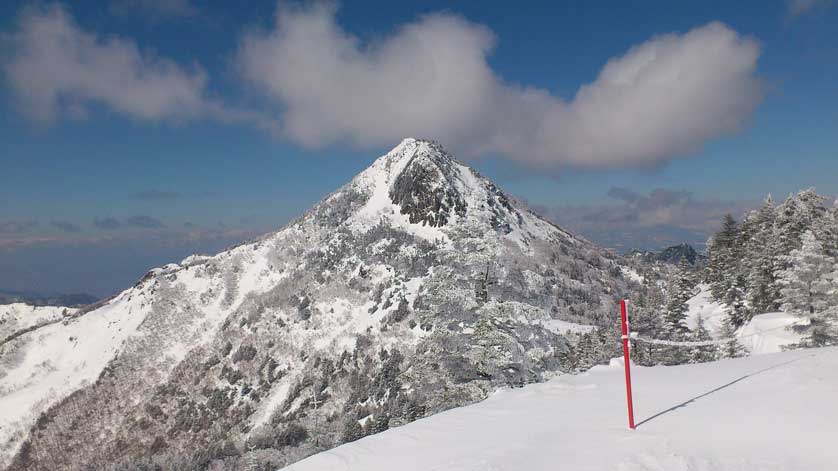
[424,191]
[417,287]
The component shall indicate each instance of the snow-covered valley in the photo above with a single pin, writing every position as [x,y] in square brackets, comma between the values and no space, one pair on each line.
[760,413]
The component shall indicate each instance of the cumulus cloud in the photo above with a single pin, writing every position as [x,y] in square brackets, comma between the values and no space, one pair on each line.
[56,69]
[431,78]
[652,220]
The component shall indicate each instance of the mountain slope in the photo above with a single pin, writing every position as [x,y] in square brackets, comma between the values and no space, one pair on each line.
[18,317]
[416,287]
[765,412]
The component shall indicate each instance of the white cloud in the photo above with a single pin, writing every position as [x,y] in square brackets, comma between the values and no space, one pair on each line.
[650,220]
[431,78]
[56,69]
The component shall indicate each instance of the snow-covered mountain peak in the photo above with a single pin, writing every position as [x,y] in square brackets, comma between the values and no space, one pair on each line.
[417,286]
[412,156]
[422,189]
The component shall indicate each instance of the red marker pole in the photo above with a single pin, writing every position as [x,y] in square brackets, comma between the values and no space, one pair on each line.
[626,360]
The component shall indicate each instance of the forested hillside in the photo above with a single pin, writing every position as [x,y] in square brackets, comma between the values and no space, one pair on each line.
[777,258]
[780,257]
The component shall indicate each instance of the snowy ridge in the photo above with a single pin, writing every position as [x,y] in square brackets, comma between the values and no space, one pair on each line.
[16,317]
[48,364]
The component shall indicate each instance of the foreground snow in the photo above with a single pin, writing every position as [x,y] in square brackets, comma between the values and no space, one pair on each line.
[765,412]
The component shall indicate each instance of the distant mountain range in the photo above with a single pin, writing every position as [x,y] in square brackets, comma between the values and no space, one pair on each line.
[46,299]
[672,255]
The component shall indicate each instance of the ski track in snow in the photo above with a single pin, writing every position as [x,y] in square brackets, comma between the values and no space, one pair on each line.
[766,412]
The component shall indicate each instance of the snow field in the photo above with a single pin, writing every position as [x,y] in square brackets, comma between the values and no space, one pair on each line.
[768,412]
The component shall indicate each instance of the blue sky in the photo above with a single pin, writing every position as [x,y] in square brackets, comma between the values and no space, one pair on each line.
[176,127]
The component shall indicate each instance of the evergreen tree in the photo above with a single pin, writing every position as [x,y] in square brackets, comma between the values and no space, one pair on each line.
[679,292]
[724,258]
[645,319]
[794,217]
[809,288]
[702,353]
[732,348]
[738,314]
[826,230]
[761,286]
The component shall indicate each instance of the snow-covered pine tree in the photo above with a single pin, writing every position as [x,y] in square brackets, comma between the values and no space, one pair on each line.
[761,286]
[645,318]
[826,230]
[808,289]
[737,312]
[678,293]
[701,353]
[794,217]
[731,348]
[723,257]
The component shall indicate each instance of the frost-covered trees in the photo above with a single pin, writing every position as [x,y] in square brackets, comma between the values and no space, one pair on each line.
[795,216]
[762,295]
[702,353]
[680,292]
[723,252]
[781,256]
[808,284]
[808,287]
[731,348]
[645,319]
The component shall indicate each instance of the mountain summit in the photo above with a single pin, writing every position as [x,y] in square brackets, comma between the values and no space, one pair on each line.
[416,287]
[418,187]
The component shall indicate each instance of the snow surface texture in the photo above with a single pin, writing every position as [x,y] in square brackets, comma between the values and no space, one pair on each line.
[760,413]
